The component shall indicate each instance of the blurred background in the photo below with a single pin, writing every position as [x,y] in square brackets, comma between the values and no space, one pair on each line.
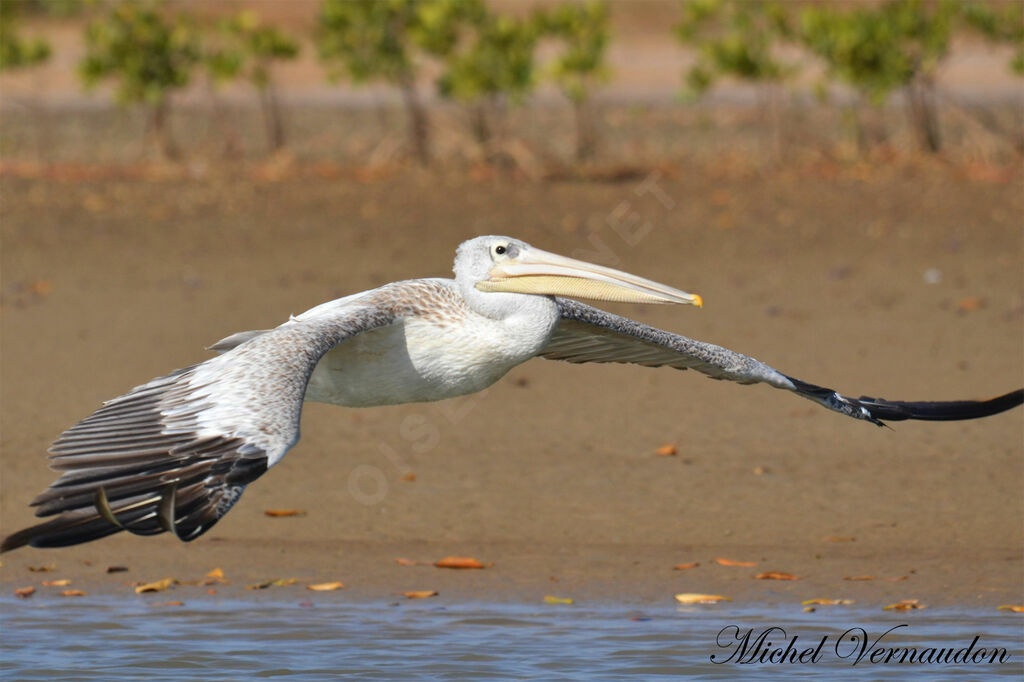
[538,89]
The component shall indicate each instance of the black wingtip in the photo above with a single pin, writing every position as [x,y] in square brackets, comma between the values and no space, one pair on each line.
[955,410]
[879,410]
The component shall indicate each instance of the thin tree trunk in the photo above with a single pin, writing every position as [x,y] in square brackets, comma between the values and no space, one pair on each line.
[923,118]
[419,126]
[481,126]
[585,137]
[272,117]
[160,130]
[231,146]
[42,124]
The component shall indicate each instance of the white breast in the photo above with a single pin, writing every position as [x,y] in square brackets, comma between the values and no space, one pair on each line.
[425,358]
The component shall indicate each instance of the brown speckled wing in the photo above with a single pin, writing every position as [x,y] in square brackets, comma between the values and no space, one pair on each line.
[175,454]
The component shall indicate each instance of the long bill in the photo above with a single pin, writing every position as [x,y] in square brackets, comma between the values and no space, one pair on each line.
[534,271]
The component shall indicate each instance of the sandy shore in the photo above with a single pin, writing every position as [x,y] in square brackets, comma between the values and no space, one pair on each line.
[551,475]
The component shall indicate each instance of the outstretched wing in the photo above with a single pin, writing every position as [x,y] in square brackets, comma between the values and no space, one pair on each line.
[587,334]
[176,453]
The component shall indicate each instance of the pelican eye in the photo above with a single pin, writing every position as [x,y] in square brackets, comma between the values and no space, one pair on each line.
[499,250]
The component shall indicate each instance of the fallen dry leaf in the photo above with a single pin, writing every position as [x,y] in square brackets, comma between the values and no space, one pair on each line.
[775,575]
[859,577]
[63,582]
[683,567]
[285,512]
[459,562]
[157,586]
[971,303]
[116,569]
[730,562]
[72,593]
[666,450]
[410,477]
[211,591]
[828,602]
[1011,607]
[42,569]
[905,605]
[557,600]
[696,598]
[326,587]
[24,592]
[41,287]
[278,582]
[420,594]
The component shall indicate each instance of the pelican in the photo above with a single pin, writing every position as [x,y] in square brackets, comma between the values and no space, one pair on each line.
[175,454]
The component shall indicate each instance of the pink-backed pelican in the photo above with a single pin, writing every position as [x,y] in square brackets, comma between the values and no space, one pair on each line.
[173,455]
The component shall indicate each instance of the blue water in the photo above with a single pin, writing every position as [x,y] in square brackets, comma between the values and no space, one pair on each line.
[107,638]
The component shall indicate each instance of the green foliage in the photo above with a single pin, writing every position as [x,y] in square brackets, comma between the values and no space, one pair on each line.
[735,38]
[1001,22]
[53,8]
[245,45]
[583,31]
[147,52]
[498,62]
[17,52]
[878,49]
[378,39]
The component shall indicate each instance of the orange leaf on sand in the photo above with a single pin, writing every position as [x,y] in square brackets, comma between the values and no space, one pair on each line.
[905,605]
[775,575]
[828,602]
[696,598]
[63,582]
[24,592]
[72,593]
[730,562]
[419,594]
[285,512]
[158,586]
[326,587]
[683,567]
[1011,607]
[666,450]
[859,577]
[971,303]
[459,562]
[279,582]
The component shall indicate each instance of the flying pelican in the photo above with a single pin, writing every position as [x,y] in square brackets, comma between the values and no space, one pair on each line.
[174,455]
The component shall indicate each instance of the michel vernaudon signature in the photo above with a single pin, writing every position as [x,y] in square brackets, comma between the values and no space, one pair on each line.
[775,645]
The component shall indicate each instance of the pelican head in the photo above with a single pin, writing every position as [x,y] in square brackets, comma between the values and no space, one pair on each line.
[503,264]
